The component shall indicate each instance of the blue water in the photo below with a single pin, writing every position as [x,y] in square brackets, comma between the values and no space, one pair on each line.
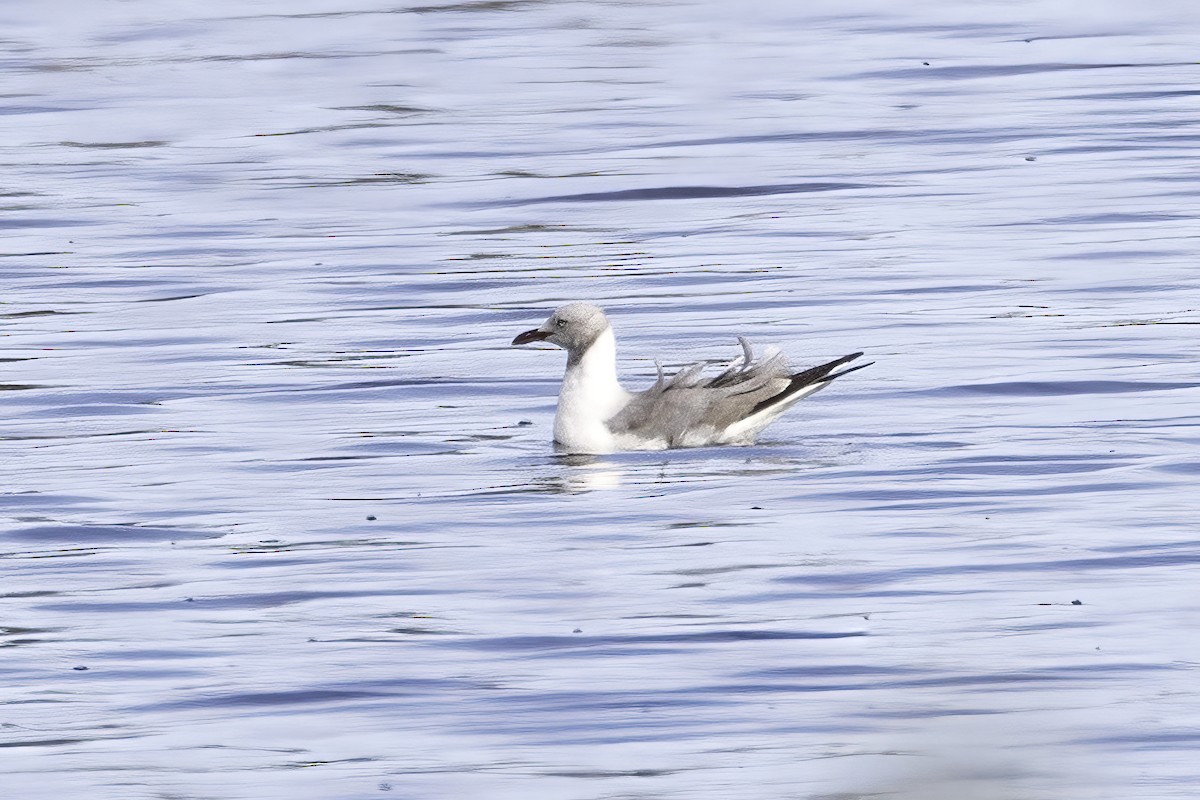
[280,515]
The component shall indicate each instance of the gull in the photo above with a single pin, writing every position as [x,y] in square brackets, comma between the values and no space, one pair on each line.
[597,415]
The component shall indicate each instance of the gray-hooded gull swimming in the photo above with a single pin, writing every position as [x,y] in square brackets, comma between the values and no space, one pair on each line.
[597,415]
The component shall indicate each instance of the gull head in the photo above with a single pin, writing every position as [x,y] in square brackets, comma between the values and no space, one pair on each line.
[573,327]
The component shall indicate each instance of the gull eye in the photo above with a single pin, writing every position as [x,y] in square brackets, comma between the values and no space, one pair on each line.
[562,323]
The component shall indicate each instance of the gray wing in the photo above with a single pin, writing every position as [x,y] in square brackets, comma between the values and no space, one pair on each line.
[687,402]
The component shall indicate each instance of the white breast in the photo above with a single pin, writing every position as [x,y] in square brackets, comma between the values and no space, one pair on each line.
[590,396]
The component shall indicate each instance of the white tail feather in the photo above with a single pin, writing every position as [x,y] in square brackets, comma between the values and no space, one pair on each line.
[746,429]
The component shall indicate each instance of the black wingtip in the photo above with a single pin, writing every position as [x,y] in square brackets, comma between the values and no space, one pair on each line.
[821,374]
[847,371]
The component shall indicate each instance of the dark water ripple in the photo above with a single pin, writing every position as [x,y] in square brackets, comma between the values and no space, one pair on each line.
[690,193]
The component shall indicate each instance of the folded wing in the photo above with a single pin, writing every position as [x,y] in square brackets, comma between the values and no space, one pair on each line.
[688,409]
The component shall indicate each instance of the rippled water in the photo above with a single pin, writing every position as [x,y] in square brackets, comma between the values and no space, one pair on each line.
[281,517]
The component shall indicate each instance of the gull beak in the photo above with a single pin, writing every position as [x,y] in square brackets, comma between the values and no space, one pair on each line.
[535,335]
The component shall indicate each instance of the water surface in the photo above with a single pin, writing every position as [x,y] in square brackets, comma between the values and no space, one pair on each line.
[280,514]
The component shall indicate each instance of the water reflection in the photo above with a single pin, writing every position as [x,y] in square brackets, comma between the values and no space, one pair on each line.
[579,472]
[971,756]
